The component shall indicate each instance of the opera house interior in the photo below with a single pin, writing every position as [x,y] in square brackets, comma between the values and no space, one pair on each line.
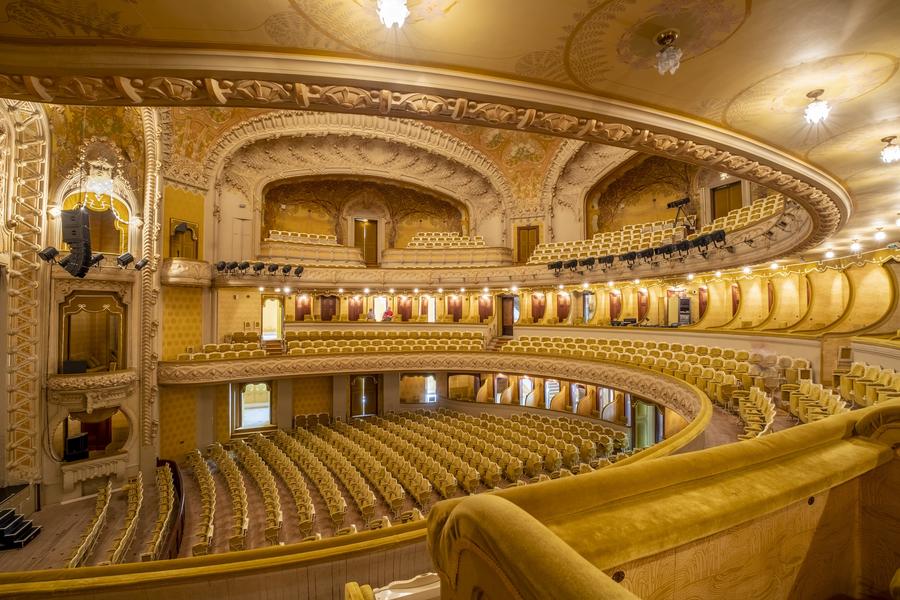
[457,299]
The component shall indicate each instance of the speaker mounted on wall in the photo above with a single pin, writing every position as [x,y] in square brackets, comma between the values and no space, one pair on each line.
[76,233]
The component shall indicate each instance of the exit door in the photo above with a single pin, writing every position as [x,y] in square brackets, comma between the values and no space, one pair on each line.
[507,318]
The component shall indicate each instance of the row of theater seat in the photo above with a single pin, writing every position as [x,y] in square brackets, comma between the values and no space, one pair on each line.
[757,411]
[296,237]
[369,334]
[122,542]
[444,239]
[165,500]
[865,385]
[237,491]
[233,347]
[207,515]
[230,355]
[85,547]
[810,401]
[265,482]
[288,471]
[378,345]
[649,235]
[242,337]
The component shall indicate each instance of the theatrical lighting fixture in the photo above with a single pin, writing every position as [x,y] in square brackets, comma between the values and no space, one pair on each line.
[258,267]
[286,269]
[439,290]
[514,289]
[774,266]
[606,261]
[628,257]
[718,238]
[668,59]
[587,262]
[561,287]
[231,266]
[392,12]
[298,270]
[667,251]
[646,255]
[571,265]
[125,259]
[48,254]
[610,283]
[243,265]
[461,290]
[718,273]
[64,261]
[555,266]
[817,110]
[391,290]
[485,289]
[286,290]
[678,203]
[340,290]
[891,152]
[262,289]
[141,264]
[365,290]
[220,266]
[585,285]
[95,259]
[690,277]
[272,268]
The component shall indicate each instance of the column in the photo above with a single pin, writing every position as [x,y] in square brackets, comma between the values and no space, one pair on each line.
[550,317]
[206,409]
[284,404]
[442,385]
[441,300]
[390,393]
[525,313]
[340,396]
[343,308]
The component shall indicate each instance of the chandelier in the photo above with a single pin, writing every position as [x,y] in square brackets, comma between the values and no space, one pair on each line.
[817,110]
[668,59]
[891,152]
[392,12]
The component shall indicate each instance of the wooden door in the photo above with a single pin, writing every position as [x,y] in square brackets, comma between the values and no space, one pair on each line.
[302,306]
[354,309]
[726,199]
[615,306]
[328,306]
[404,308]
[526,241]
[507,321]
[538,306]
[454,308]
[365,237]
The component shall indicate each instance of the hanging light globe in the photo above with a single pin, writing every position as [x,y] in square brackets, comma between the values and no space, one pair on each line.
[816,111]
[392,12]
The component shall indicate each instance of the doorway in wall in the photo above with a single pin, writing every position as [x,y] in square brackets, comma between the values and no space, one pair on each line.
[365,237]
[272,317]
[507,319]
[363,395]
[526,241]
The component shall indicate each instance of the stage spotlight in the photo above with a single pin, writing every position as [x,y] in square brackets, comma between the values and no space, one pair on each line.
[298,271]
[273,268]
[258,267]
[555,266]
[683,248]
[220,266]
[606,261]
[571,264]
[232,266]
[95,259]
[667,251]
[646,255]
[628,257]
[143,263]
[286,269]
[64,261]
[588,262]
[718,238]
[243,266]
[48,254]
[125,259]
[678,203]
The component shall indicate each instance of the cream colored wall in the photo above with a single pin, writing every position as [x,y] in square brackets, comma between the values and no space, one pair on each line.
[181,204]
[235,308]
[718,307]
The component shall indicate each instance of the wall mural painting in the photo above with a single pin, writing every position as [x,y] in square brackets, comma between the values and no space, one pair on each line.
[322,206]
[637,192]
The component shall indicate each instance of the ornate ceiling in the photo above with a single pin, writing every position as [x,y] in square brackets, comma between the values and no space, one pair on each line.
[745,72]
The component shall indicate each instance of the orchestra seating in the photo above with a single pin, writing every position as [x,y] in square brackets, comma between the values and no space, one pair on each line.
[238,493]
[265,481]
[444,239]
[85,547]
[122,544]
[207,513]
[165,488]
[641,236]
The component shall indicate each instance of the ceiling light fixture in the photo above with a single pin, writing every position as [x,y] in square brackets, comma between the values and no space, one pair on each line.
[718,273]
[891,152]
[880,235]
[774,266]
[668,59]
[392,12]
[829,254]
[817,110]
[746,270]
[690,277]
[855,246]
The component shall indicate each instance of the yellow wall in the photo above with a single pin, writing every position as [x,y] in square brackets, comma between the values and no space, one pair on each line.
[177,421]
[182,320]
[312,395]
[301,217]
[830,293]
[790,300]
[237,306]
[182,205]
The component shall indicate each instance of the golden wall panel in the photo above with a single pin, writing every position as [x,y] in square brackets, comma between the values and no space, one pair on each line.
[871,298]
[183,205]
[879,529]
[312,395]
[239,309]
[177,421]
[182,320]
[222,414]
[829,296]
[790,301]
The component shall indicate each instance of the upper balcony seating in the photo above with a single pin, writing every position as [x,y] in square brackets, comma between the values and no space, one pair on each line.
[444,239]
[632,238]
[296,237]
[865,385]
[812,401]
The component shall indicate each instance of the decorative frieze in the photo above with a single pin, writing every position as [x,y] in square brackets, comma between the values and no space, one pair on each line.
[91,468]
[185,272]
[87,392]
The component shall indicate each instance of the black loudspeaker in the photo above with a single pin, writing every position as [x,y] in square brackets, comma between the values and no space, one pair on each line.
[76,232]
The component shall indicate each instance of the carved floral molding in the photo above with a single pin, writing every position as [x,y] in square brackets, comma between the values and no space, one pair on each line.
[668,391]
[92,468]
[90,391]
[185,272]
[828,203]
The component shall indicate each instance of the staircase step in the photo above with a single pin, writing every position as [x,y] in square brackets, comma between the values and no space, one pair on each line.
[6,515]
[27,533]
[11,526]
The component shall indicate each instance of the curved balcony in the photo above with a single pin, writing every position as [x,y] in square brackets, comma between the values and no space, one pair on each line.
[86,392]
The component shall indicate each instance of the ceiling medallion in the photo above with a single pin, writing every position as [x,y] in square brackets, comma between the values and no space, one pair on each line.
[668,59]
[891,152]
[392,12]
[817,110]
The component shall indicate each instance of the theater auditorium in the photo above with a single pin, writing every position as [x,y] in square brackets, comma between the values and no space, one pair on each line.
[449,299]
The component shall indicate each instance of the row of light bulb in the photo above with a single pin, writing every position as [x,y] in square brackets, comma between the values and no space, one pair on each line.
[818,110]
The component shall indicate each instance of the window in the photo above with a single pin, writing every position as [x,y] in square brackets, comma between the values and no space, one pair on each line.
[93,333]
[726,199]
[254,406]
